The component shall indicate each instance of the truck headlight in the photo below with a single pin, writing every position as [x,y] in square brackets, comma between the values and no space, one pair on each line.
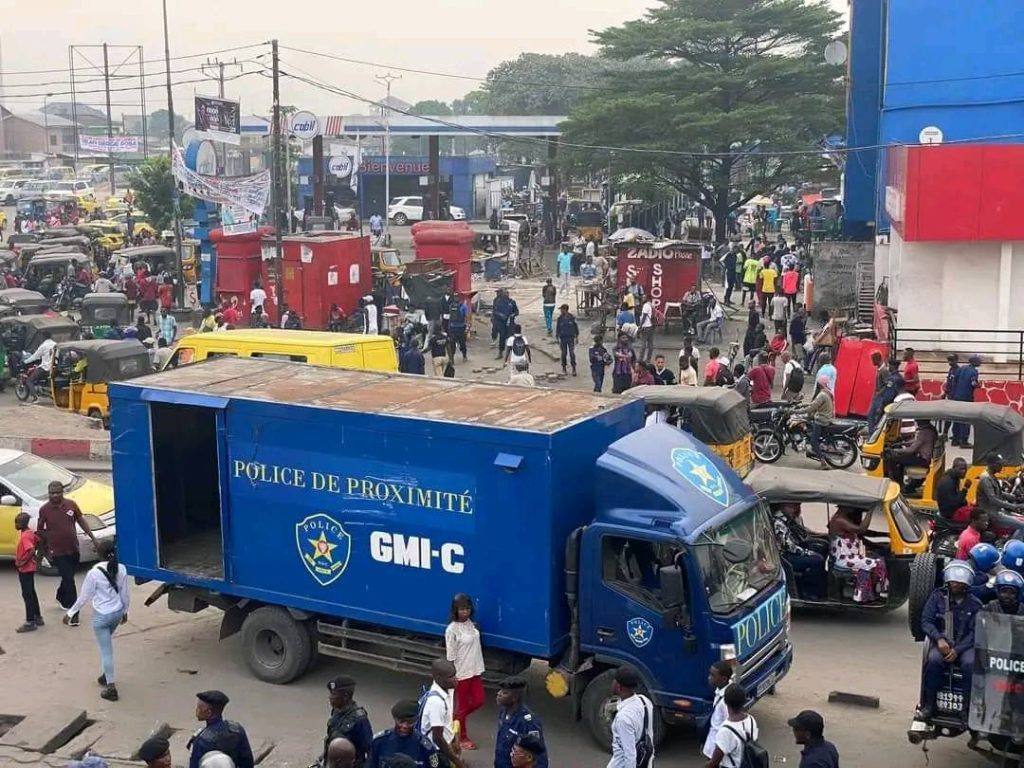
[94,523]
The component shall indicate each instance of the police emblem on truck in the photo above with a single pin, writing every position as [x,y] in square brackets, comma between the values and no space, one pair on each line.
[324,547]
[702,474]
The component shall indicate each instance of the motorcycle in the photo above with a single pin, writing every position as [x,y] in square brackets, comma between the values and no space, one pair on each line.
[780,427]
[69,295]
[22,388]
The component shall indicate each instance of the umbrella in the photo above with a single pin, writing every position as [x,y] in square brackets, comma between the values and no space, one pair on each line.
[631,235]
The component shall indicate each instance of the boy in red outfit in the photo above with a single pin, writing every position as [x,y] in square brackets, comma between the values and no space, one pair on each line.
[25,562]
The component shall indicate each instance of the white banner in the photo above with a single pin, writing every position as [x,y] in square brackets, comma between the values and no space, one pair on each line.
[109,144]
[513,242]
[247,192]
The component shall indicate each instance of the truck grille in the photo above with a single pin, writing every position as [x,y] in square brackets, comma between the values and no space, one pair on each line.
[750,668]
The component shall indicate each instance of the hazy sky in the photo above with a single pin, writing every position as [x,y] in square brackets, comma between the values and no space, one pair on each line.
[464,37]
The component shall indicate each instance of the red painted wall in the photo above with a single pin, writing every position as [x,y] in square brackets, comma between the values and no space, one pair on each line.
[956,192]
[1009,393]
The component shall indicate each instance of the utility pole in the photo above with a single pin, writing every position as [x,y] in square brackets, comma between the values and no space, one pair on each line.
[275,165]
[110,119]
[214,68]
[387,79]
[179,288]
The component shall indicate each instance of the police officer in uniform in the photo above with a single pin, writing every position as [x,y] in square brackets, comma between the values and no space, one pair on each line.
[348,720]
[218,735]
[403,739]
[515,720]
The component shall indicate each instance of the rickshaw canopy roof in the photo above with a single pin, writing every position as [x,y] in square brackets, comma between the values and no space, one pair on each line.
[716,415]
[104,308]
[110,359]
[110,299]
[788,484]
[147,252]
[17,296]
[998,429]
[35,325]
[62,257]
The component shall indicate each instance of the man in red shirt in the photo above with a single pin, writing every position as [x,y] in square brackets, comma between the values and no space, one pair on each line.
[761,376]
[972,533]
[166,292]
[56,525]
[911,373]
[230,314]
[25,562]
[147,296]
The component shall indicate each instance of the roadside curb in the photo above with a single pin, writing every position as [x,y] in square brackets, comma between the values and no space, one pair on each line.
[60,447]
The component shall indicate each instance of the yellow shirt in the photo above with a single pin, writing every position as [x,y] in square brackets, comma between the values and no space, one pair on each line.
[768,278]
[750,267]
[629,300]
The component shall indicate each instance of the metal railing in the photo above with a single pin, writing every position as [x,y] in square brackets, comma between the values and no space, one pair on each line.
[1004,348]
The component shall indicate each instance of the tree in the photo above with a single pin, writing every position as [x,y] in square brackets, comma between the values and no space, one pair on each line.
[430,107]
[741,100]
[541,84]
[156,125]
[153,185]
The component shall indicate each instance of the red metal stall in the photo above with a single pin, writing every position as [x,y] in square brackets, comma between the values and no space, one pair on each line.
[452,243]
[239,265]
[666,270]
[855,375]
[326,268]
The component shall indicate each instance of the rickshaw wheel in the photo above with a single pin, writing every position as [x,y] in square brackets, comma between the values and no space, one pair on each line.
[922,584]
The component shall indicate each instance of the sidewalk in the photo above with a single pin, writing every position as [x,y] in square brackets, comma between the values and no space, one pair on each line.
[43,430]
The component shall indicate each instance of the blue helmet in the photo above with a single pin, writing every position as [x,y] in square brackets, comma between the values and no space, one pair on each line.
[1013,556]
[958,572]
[1010,578]
[985,556]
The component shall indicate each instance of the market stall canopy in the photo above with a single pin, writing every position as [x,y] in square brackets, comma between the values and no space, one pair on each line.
[631,235]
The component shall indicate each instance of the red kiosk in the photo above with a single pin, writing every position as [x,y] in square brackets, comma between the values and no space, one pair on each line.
[666,270]
[324,268]
[452,243]
[239,265]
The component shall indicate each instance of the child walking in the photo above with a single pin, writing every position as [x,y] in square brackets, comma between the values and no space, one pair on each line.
[25,562]
[463,649]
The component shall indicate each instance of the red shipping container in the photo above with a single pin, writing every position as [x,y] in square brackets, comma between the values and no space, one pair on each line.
[665,271]
[325,269]
[239,265]
[855,375]
[452,243]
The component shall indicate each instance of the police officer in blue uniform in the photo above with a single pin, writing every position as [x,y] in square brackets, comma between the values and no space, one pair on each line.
[348,720]
[1008,588]
[515,720]
[403,739]
[218,735]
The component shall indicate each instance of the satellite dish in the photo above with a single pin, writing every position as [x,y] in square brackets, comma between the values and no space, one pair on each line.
[835,53]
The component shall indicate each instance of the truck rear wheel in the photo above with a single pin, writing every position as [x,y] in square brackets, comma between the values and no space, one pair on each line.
[922,584]
[278,649]
[599,704]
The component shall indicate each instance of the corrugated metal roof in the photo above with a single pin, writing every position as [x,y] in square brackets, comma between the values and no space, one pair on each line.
[450,400]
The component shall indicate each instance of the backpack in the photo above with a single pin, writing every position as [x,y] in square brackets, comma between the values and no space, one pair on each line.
[724,377]
[424,698]
[518,345]
[645,746]
[796,379]
[754,755]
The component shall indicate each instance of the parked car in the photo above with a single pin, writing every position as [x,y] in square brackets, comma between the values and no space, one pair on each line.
[69,189]
[404,210]
[11,190]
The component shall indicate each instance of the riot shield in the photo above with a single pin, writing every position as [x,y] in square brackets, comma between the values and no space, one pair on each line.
[997,688]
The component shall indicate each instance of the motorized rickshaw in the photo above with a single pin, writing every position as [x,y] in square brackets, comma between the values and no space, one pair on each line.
[100,311]
[33,206]
[21,301]
[24,333]
[715,416]
[894,534]
[18,239]
[46,271]
[991,710]
[590,225]
[158,259]
[82,369]
[998,430]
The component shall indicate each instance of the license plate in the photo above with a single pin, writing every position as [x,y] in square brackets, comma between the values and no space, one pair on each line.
[919,726]
[766,685]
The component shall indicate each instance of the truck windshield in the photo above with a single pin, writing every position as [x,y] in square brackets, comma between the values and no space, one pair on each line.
[730,581]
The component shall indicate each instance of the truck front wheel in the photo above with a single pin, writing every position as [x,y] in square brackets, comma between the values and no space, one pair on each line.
[278,649]
[599,705]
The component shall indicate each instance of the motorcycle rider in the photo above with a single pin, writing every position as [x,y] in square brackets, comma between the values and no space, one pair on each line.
[992,499]
[950,645]
[44,356]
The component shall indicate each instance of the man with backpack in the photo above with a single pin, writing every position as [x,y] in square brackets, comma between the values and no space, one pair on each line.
[517,348]
[458,311]
[436,710]
[633,726]
[716,372]
[792,378]
[736,744]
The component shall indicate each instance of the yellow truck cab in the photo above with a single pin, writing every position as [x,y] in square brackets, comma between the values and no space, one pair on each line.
[334,350]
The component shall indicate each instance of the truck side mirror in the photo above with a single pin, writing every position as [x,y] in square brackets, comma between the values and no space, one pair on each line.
[9,501]
[673,597]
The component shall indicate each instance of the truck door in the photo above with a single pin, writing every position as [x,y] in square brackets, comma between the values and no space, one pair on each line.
[626,612]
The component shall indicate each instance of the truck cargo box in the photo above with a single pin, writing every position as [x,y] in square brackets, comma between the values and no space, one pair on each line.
[365,496]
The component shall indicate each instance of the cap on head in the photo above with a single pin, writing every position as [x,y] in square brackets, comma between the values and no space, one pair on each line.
[974,360]
[405,709]
[512,684]
[153,748]
[530,743]
[215,699]
[809,721]
[341,683]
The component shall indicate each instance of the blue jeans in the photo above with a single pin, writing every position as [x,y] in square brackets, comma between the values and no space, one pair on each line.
[598,375]
[549,315]
[103,626]
[961,432]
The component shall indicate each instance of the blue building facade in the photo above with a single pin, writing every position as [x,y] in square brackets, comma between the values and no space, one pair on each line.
[917,64]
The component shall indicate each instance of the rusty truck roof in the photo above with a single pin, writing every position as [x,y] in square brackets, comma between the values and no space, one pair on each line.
[531,409]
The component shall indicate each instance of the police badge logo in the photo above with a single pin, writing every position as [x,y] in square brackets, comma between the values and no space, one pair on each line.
[324,547]
[701,473]
[640,631]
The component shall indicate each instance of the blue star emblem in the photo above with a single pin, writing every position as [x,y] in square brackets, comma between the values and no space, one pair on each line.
[640,631]
[701,473]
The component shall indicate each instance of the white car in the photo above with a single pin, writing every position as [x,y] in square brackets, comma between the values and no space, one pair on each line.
[24,478]
[11,190]
[69,189]
[404,210]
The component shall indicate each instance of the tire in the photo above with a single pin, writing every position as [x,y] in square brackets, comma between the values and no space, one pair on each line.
[94,413]
[598,707]
[839,451]
[277,648]
[21,390]
[767,446]
[922,584]
[401,219]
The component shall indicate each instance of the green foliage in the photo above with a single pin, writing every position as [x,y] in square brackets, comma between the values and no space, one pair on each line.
[156,125]
[430,107]
[153,185]
[742,80]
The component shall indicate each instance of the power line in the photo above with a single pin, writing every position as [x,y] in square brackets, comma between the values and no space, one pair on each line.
[116,90]
[147,61]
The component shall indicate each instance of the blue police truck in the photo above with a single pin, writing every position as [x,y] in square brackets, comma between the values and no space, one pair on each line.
[338,511]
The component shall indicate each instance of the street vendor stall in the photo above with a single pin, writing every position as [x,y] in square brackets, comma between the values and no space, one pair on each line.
[665,269]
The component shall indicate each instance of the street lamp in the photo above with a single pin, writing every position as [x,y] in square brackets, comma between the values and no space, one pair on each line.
[46,127]
[387,80]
